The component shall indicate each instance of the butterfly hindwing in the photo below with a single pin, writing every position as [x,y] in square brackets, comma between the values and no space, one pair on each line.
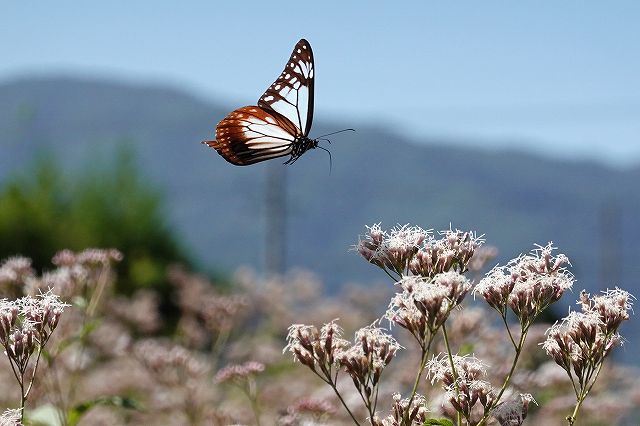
[252,134]
[279,124]
[291,95]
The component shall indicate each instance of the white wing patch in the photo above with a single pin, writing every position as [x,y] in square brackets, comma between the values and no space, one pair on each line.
[291,95]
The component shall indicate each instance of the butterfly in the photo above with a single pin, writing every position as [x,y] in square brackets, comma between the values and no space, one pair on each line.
[279,125]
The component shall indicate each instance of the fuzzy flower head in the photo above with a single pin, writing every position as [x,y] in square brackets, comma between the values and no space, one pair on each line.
[425,304]
[464,386]
[612,307]
[392,250]
[27,323]
[415,411]
[11,417]
[316,349]
[452,252]
[372,351]
[581,341]
[528,284]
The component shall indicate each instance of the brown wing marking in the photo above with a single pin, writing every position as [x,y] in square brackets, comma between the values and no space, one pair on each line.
[251,134]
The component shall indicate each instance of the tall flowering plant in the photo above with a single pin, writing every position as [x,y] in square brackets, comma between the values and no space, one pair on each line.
[26,325]
[429,270]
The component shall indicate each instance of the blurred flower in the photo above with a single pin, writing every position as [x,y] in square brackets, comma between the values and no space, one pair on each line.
[102,257]
[481,257]
[513,412]
[235,372]
[14,273]
[206,315]
[171,364]
[307,411]
[140,310]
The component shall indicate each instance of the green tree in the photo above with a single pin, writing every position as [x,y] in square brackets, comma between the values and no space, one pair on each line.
[109,205]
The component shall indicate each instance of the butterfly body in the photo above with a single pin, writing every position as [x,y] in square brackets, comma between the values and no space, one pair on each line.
[279,125]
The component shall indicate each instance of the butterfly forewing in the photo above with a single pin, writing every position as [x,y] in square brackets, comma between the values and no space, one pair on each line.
[291,95]
[281,121]
[252,134]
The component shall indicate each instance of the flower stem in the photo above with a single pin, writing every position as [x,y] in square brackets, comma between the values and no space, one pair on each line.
[487,411]
[453,369]
[506,324]
[253,397]
[423,364]
[582,396]
[344,404]
[333,383]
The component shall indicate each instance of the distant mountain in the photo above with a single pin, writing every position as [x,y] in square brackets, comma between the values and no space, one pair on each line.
[516,199]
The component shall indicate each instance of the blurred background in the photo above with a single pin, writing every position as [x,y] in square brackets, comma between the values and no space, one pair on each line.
[519,121]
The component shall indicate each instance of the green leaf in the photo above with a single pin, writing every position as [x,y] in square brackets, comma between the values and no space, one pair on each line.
[79,302]
[89,327]
[466,349]
[74,414]
[438,422]
[44,415]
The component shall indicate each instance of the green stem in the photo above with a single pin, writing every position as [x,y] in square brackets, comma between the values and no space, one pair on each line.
[395,280]
[333,385]
[219,344]
[253,397]
[103,279]
[423,364]
[344,404]
[506,324]
[453,369]
[487,411]
[582,396]
[35,368]
[23,400]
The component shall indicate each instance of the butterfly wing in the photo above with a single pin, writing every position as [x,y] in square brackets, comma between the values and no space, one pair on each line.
[291,95]
[252,134]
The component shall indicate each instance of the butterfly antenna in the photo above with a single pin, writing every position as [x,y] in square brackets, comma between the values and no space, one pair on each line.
[339,131]
[330,161]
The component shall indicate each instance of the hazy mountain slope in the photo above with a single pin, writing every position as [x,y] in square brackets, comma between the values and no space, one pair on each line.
[514,198]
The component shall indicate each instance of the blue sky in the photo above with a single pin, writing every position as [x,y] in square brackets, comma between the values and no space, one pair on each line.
[560,78]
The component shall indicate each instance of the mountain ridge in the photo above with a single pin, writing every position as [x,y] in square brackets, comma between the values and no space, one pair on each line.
[515,198]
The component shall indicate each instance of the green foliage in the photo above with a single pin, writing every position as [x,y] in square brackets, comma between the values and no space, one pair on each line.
[74,415]
[47,415]
[439,422]
[108,205]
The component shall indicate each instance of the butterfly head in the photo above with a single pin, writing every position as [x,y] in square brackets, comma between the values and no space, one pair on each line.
[300,146]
